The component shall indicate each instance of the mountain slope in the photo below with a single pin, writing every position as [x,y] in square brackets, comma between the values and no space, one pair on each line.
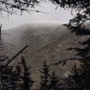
[35,34]
[46,41]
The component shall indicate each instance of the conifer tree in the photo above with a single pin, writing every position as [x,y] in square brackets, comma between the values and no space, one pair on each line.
[17,79]
[74,81]
[7,82]
[54,81]
[44,76]
[27,80]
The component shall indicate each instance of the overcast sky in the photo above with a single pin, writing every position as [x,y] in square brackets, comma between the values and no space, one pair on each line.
[51,14]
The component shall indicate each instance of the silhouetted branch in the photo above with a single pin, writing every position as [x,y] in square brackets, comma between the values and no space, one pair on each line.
[65,61]
[15,6]
[14,57]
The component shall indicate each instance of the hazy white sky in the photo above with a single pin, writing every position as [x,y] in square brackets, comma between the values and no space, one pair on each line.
[52,14]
